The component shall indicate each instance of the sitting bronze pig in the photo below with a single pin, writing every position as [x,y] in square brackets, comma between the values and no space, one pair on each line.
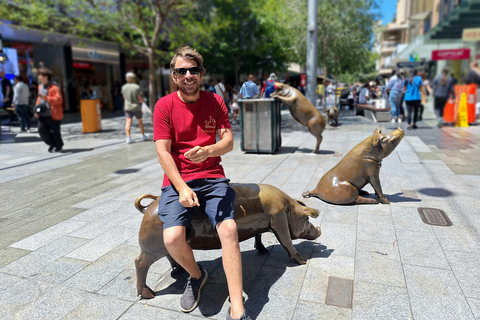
[343,183]
[332,116]
[258,208]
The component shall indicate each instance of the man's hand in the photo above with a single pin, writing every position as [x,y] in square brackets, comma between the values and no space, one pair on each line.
[197,154]
[42,96]
[187,197]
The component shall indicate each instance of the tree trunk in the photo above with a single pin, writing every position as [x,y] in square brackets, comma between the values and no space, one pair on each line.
[151,79]
[336,84]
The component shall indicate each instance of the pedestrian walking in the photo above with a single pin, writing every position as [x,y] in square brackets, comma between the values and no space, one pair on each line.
[269,86]
[49,120]
[442,86]
[133,106]
[249,89]
[235,106]
[413,98]
[473,74]
[424,93]
[220,90]
[20,102]
[394,88]
[320,92]
[186,124]
[7,92]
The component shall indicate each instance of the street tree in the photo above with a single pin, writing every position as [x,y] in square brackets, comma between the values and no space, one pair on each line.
[232,38]
[140,26]
[344,32]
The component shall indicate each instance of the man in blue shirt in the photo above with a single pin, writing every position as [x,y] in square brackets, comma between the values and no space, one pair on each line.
[249,89]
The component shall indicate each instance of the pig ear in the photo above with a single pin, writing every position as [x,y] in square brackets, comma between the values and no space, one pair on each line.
[376,137]
[301,203]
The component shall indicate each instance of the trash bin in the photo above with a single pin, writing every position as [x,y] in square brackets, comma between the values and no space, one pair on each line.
[91,115]
[260,125]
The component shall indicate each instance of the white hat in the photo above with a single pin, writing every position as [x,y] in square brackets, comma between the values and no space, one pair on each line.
[130,75]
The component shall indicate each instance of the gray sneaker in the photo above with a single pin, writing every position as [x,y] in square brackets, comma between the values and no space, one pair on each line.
[244,316]
[191,296]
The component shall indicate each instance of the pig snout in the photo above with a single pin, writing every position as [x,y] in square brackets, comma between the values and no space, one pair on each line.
[310,232]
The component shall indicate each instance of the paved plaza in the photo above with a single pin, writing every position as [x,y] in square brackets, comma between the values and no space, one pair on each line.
[69,230]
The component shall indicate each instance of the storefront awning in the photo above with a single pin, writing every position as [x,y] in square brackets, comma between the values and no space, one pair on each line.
[465,15]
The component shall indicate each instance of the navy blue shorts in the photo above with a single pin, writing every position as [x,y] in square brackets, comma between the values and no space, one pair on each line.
[216,199]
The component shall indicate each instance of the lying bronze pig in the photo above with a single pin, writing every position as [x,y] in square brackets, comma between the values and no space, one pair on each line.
[302,110]
[344,182]
[332,116]
[258,208]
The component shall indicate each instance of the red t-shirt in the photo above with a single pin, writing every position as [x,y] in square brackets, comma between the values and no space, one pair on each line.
[189,125]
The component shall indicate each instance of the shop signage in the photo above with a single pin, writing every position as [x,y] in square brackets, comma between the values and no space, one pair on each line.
[303,80]
[95,55]
[81,65]
[453,54]
[413,64]
[471,34]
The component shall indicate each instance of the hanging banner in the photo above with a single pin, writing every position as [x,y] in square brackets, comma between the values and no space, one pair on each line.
[451,54]
[471,34]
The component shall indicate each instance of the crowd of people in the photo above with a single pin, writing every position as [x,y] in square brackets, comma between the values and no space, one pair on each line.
[407,94]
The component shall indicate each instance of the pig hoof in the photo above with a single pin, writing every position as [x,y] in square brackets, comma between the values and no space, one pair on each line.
[384,200]
[297,257]
[306,194]
[146,293]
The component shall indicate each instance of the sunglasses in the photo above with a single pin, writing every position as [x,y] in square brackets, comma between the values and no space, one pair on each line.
[193,71]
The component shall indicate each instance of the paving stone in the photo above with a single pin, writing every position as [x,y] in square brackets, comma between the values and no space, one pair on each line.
[273,296]
[60,270]
[9,255]
[435,294]
[340,238]
[340,214]
[7,280]
[459,237]
[421,248]
[377,301]
[35,262]
[320,268]
[42,238]
[99,307]
[99,246]
[102,271]
[318,311]
[378,263]
[22,295]
[475,306]
[144,311]
[465,266]
[375,228]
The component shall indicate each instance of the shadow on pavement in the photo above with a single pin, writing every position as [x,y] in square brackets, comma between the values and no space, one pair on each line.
[215,294]
[397,197]
[436,192]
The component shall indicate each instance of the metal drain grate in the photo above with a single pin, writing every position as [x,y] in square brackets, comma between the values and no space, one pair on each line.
[339,292]
[434,217]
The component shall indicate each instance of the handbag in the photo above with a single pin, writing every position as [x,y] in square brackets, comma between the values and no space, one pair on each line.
[43,109]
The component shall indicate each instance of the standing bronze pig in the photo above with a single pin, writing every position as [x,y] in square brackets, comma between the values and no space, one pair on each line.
[302,110]
[344,182]
[258,208]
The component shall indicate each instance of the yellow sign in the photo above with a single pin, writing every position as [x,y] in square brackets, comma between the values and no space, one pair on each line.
[462,119]
[472,34]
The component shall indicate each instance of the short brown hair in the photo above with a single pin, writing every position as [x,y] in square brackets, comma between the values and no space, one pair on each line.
[46,73]
[186,53]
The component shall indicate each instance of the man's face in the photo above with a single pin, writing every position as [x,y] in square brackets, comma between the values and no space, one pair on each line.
[188,84]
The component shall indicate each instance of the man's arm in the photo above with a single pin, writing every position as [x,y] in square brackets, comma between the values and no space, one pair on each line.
[187,197]
[199,154]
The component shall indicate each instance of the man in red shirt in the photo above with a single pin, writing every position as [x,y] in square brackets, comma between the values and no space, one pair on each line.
[186,124]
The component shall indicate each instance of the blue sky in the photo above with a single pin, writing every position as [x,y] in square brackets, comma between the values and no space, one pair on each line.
[387,10]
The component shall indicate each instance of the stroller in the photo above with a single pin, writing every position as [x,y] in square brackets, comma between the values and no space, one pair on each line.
[346,99]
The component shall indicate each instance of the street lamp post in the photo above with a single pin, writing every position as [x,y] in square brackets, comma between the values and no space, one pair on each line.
[312,51]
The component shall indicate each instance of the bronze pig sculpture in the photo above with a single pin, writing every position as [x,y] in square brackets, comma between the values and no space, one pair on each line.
[343,183]
[302,110]
[258,208]
[332,116]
